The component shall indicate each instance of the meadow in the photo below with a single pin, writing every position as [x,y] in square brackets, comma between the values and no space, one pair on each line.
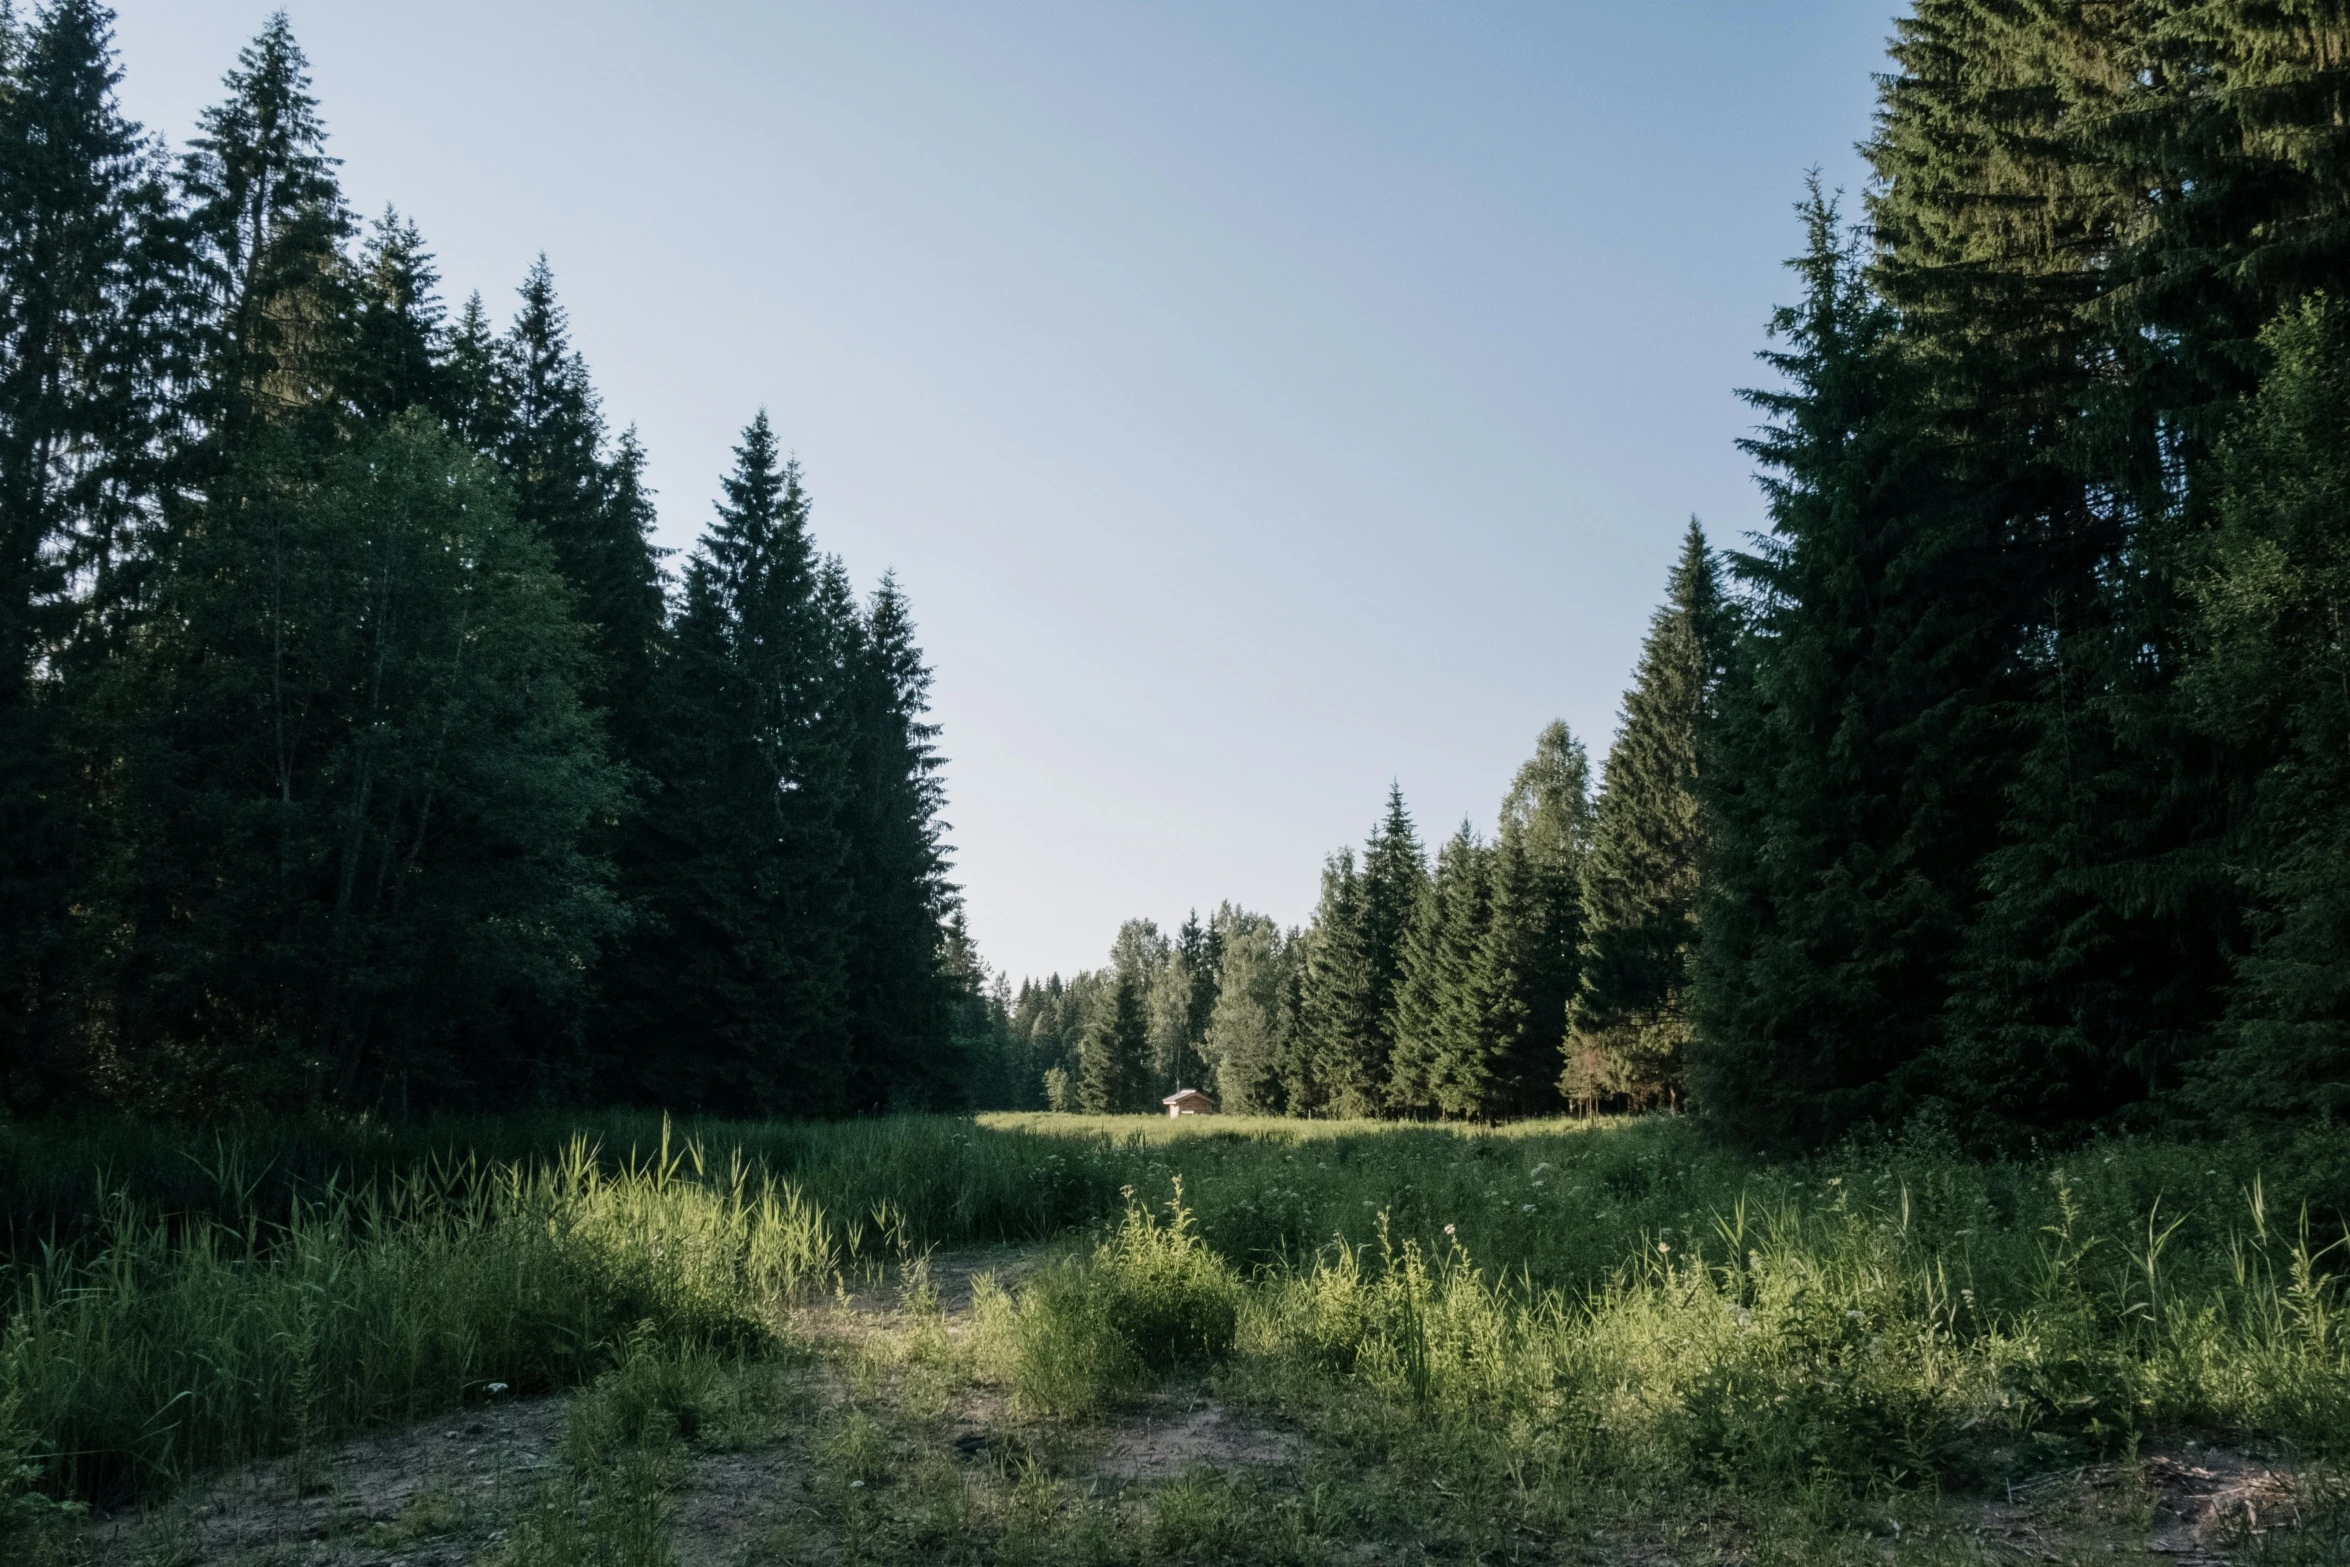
[1548,1341]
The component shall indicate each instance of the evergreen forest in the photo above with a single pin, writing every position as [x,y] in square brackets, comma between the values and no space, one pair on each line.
[358,749]
[1998,785]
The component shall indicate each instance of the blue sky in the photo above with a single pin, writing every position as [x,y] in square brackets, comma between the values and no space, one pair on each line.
[1259,401]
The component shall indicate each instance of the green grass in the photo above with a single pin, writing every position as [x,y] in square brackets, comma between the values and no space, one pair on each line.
[1481,1331]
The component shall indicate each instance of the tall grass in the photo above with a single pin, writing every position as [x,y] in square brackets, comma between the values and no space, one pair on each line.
[170,1346]
[1554,1298]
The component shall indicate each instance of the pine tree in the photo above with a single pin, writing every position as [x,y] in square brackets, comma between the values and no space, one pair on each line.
[1628,1026]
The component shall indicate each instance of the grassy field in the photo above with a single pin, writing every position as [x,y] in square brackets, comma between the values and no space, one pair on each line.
[1553,1341]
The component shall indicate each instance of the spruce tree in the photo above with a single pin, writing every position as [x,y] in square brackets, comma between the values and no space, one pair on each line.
[396,338]
[595,516]
[1628,1025]
[903,986]
[1528,968]
[1861,751]
[1353,1071]
[733,992]
[81,381]
[471,382]
[1442,1027]
[267,222]
[2068,368]
[1335,1013]
[1199,951]
[2272,683]
[1113,1056]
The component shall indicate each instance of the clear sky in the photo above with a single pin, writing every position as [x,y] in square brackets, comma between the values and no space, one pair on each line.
[1259,401]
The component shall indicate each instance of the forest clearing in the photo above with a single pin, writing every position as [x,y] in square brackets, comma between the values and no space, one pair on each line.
[1058,1338]
[506,1060]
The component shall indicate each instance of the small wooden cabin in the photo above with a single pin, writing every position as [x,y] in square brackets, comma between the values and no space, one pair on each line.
[1189,1101]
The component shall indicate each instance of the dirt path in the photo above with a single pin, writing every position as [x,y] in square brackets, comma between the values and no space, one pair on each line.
[882,1445]
[444,1492]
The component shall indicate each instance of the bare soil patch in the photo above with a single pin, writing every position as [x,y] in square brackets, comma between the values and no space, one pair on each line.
[1165,1442]
[2192,1506]
[430,1495]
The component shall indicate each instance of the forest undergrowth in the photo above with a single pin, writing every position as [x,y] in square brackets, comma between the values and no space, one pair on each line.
[1488,1342]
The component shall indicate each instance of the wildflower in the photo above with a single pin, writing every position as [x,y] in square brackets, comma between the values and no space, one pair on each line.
[1663,1246]
[1525,1207]
[1448,1229]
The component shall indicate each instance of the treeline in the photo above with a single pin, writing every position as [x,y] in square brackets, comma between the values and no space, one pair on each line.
[1539,968]
[355,746]
[2014,788]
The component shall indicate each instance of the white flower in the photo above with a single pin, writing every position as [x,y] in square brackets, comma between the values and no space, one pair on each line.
[1448,1229]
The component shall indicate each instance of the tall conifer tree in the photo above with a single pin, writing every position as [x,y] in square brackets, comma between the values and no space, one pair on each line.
[81,378]
[1529,965]
[1443,1032]
[594,516]
[902,990]
[733,993]
[1355,1071]
[1862,749]
[268,221]
[2272,682]
[1335,1014]
[1628,1026]
[1113,1056]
